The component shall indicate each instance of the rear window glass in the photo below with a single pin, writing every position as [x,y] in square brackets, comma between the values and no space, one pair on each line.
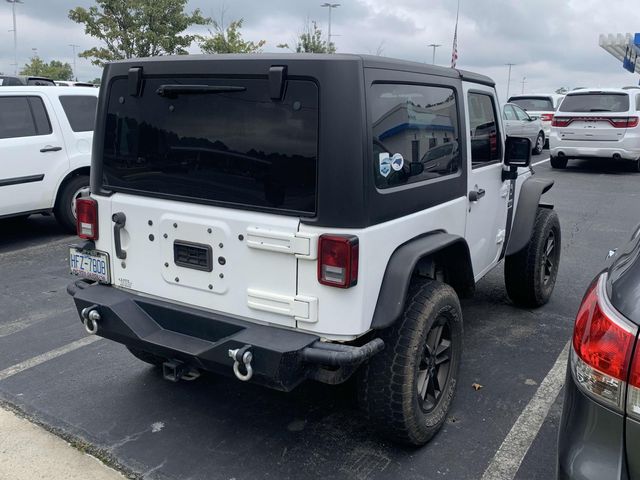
[80,111]
[415,133]
[595,102]
[535,104]
[226,141]
[42,82]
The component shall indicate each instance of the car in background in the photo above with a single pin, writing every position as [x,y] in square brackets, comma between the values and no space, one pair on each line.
[597,123]
[519,123]
[600,428]
[45,147]
[541,105]
[18,80]
[69,83]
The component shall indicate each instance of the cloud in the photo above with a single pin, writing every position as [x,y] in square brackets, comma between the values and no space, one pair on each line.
[552,43]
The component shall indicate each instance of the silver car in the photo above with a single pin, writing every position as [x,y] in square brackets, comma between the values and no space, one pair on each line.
[519,123]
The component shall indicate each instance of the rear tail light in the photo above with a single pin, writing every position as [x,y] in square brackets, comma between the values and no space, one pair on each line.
[560,121]
[338,260]
[633,395]
[546,117]
[602,346]
[616,122]
[624,122]
[87,218]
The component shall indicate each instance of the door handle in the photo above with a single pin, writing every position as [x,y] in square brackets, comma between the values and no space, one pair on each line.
[50,148]
[475,195]
[119,219]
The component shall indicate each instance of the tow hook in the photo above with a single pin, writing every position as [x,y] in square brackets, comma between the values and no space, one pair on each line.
[244,356]
[90,318]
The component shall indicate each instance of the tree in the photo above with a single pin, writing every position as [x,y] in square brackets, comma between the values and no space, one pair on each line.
[229,39]
[96,81]
[310,41]
[137,28]
[54,69]
[562,90]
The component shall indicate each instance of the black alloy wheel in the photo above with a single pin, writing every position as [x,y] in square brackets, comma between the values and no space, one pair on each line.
[435,366]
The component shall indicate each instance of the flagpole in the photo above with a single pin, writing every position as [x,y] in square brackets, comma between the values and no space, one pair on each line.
[454,50]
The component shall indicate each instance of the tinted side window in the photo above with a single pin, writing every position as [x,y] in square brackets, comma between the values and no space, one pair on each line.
[40,117]
[15,118]
[485,138]
[23,117]
[80,111]
[415,133]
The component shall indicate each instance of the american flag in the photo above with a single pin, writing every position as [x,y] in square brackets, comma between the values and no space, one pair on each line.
[454,53]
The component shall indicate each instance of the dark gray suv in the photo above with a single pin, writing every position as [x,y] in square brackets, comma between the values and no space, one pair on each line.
[600,427]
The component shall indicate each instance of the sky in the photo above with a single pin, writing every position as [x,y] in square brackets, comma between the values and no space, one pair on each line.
[553,43]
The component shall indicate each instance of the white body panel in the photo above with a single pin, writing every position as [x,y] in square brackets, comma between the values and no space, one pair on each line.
[348,313]
[21,157]
[256,283]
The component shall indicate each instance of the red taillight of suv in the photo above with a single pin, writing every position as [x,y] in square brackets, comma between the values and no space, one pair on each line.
[338,260]
[87,218]
[560,121]
[623,122]
[546,117]
[603,343]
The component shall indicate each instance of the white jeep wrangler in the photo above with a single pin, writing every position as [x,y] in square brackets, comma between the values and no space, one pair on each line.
[292,217]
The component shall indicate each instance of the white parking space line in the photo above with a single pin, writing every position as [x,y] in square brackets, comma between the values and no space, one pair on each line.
[36,248]
[541,162]
[45,357]
[507,460]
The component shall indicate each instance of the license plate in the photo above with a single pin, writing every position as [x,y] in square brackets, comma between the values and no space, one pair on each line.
[89,264]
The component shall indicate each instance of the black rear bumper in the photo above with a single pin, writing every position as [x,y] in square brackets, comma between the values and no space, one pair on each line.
[281,358]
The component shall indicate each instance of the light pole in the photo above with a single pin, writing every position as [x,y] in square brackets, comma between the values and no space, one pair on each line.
[75,72]
[434,46]
[330,6]
[524,80]
[15,34]
[509,78]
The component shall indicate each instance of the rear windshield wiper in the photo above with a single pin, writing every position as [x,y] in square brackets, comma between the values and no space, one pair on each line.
[599,110]
[175,90]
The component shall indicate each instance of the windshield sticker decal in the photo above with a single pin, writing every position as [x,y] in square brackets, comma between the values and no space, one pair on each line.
[397,162]
[385,164]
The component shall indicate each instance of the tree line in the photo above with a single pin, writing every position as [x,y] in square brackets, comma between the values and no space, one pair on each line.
[145,28]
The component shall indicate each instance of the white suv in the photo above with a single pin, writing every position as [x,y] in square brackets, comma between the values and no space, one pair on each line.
[597,123]
[45,146]
[540,105]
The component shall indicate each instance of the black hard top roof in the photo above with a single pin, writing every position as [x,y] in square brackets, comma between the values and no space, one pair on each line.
[368,61]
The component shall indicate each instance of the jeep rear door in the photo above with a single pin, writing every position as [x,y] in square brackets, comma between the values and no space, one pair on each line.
[488,194]
[211,176]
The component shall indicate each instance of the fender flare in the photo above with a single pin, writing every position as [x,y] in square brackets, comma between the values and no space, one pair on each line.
[397,276]
[525,217]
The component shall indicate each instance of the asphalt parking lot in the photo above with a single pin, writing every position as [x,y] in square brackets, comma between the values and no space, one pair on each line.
[105,401]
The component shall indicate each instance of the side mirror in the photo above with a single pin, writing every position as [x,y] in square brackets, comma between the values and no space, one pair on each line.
[533,117]
[416,168]
[517,152]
